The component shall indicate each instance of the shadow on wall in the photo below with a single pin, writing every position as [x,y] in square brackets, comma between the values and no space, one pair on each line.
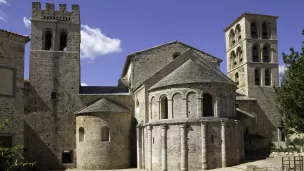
[32,101]
[133,143]
[39,151]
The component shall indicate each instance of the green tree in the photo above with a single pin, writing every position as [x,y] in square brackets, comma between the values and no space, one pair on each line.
[290,96]
[11,158]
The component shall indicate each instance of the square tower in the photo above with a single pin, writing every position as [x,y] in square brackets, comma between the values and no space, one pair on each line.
[252,52]
[54,85]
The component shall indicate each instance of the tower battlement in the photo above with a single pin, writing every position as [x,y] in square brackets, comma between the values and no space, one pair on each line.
[51,14]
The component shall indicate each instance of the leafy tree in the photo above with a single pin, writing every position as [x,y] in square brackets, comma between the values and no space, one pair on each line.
[290,95]
[11,158]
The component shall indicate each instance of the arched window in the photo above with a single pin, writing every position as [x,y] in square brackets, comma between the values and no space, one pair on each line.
[163,107]
[254,31]
[267,77]
[231,38]
[81,134]
[238,33]
[265,30]
[233,59]
[105,133]
[266,56]
[47,40]
[257,76]
[255,54]
[236,76]
[63,41]
[207,105]
[239,54]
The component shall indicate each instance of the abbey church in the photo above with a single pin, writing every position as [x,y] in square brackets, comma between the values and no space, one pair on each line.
[172,109]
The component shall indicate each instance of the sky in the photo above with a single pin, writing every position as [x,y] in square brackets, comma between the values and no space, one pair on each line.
[112,29]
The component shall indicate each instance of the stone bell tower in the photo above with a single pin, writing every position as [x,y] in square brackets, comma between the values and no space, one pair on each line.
[252,62]
[252,52]
[54,85]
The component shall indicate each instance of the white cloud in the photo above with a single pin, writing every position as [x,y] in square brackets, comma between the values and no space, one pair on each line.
[26,21]
[84,84]
[2,16]
[282,68]
[94,43]
[3,2]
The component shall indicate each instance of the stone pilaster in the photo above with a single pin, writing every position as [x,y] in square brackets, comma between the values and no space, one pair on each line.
[216,107]
[143,147]
[164,147]
[223,137]
[184,147]
[139,147]
[237,139]
[170,109]
[199,107]
[279,134]
[204,145]
[150,147]
[185,111]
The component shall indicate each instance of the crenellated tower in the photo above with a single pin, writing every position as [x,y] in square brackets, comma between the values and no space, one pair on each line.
[54,85]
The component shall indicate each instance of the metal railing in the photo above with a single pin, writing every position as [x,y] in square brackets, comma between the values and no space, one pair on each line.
[293,163]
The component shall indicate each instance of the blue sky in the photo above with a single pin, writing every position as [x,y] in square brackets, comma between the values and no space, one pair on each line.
[113,29]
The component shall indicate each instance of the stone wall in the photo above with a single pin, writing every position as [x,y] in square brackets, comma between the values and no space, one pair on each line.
[11,103]
[93,153]
[191,144]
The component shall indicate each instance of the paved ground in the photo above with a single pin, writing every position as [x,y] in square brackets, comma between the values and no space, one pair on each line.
[277,161]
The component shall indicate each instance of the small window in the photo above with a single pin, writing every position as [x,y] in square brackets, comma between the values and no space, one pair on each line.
[67,156]
[212,140]
[257,77]
[231,38]
[254,33]
[175,55]
[8,82]
[266,57]
[137,103]
[63,41]
[255,54]
[105,133]
[237,78]
[164,107]
[53,95]
[238,33]
[267,77]
[48,36]
[81,134]
[207,105]
[265,30]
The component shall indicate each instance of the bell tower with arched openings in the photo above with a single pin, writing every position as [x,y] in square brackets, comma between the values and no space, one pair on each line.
[252,52]
[54,85]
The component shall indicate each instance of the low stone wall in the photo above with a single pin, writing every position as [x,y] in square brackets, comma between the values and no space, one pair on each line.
[274,154]
[265,168]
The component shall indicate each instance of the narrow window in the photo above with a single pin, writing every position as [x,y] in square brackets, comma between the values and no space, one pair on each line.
[81,134]
[47,40]
[53,95]
[237,78]
[212,139]
[207,105]
[257,76]
[239,54]
[255,54]
[254,33]
[137,103]
[264,30]
[164,107]
[233,58]
[238,33]
[67,157]
[232,38]
[266,57]
[267,77]
[105,133]
[63,41]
